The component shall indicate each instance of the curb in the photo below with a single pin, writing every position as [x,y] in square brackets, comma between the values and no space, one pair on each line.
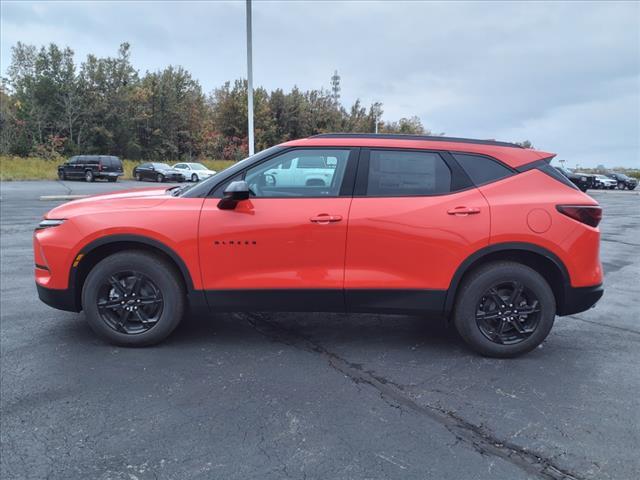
[62,197]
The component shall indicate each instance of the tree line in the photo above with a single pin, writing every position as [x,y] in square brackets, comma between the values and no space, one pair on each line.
[51,107]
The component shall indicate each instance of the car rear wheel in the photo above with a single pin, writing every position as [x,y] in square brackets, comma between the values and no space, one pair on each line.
[504,309]
[133,299]
[62,175]
[194,178]
[621,186]
[88,176]
[113,179]
[160,178]
[138,177]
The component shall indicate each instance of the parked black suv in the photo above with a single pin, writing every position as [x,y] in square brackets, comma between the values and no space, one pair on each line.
[158,172]
[91,167]
[623,181]
[580,180]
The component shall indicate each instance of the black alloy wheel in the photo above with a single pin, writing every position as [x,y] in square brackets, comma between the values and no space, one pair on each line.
[133,298]
[504,309]
[508,313]
[129,302]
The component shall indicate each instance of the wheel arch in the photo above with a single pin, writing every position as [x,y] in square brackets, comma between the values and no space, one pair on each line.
[545,262]
[101,248]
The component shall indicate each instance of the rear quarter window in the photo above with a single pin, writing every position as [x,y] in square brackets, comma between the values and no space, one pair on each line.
[482,169]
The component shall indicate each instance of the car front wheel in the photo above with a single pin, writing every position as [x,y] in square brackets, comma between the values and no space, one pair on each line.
[88,176]
[621,186]
[62,175]
[504,309]
[160,178]
[133,299]
[194,178]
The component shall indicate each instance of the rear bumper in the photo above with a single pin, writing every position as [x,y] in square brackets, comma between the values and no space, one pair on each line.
[579,299]
[60,299]
[108,174]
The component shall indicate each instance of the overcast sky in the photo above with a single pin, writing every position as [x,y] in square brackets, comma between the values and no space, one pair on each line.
[564,75]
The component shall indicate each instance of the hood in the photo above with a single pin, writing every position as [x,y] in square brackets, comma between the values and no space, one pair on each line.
[123,200]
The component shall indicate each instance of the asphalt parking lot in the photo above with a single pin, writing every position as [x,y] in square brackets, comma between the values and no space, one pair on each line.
[315,396]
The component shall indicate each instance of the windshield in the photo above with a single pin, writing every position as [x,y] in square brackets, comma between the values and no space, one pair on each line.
[197,166]
[161,166]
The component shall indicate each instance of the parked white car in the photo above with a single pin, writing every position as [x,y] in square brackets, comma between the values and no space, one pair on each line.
[602,181]
[194,171]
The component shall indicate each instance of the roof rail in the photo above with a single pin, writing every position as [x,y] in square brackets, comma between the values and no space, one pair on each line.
[430,138]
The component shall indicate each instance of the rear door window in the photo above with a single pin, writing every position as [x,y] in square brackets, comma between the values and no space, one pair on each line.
[398,173]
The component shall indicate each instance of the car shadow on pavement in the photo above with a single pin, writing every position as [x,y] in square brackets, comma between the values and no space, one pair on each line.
[382,332]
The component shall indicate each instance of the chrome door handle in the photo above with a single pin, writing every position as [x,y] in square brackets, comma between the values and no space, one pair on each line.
[325,218]
[463,211]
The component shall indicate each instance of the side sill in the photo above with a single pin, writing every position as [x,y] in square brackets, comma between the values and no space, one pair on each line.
[395,301]
[279,300]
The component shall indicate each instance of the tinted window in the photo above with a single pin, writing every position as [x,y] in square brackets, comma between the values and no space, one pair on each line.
[557,173]
[144,165]
[300,173]
[399,173]
[73,160]
[482,169]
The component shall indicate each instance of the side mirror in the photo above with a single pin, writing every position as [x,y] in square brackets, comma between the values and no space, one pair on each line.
[234,193]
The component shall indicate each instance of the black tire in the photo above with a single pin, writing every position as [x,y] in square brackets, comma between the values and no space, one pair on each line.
[62,175]
[88,176]
[160,178]
[583,189]
[631,187]
[113,179]
[473,294]
[158,276]
[194,178]
[621,186]
[138,177]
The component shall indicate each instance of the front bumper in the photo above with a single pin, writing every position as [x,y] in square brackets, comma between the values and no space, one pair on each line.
[64,299]
[579,299]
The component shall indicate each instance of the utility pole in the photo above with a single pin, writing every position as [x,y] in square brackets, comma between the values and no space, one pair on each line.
[249,80]
[335,87]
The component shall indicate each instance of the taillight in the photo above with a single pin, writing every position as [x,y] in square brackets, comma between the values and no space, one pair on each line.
[587,214]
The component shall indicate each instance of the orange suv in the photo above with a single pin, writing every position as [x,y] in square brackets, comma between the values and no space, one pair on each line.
[483,233]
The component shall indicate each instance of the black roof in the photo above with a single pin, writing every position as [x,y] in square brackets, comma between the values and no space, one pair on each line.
[431,138]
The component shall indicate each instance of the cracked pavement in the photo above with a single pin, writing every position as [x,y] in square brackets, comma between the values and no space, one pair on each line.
[315,395]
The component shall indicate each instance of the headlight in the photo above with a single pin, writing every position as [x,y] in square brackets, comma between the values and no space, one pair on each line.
[49,223]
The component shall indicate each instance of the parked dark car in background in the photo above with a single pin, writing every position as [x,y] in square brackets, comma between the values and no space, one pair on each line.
[623,180]
[157,172]
[91,167]
[581,180]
